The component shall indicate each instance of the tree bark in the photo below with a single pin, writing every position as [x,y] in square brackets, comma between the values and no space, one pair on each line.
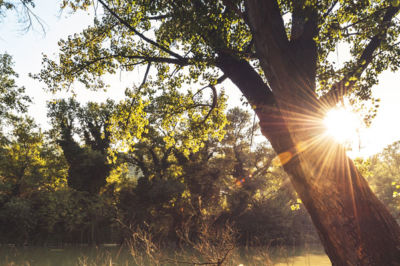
[355,228]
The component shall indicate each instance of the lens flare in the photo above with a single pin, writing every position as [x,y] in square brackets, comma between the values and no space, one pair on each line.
[341,124]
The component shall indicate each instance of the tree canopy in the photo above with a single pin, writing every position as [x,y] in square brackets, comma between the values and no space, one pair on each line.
[222,29]
[13,97]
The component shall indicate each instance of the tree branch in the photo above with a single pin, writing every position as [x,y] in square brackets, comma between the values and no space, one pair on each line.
[140,87]
[168,60]
[148,59]
[260,96]
[243,75]
[271,40]
[219,81]
[344,86]
[376,13]
[126,23]
[214,102]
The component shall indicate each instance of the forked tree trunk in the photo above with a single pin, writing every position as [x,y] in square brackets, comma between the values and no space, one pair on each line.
[355,228]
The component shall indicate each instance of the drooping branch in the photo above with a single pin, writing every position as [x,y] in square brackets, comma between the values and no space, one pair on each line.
[31,17]
[215,96]
[219,81]
[214,102]
[344,86]
[131,28]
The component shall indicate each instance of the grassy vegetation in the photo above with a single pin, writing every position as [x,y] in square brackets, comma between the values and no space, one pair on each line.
[119,256]
[212,247]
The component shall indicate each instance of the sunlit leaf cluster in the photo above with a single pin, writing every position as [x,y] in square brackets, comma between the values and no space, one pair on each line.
[181,120]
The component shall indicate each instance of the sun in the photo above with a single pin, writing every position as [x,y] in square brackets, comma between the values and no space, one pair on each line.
[343,125]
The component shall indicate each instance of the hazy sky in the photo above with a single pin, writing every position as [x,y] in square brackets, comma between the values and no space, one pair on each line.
[27,48]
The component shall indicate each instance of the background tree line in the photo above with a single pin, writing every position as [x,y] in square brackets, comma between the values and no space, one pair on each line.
[77,182]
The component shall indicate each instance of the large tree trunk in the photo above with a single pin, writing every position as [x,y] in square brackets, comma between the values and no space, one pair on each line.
[355,228]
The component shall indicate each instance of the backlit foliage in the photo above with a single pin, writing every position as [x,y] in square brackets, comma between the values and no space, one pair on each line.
[177,35]
[181,120]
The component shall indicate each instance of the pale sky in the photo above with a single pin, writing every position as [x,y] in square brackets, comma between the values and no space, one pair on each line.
[385,128]
[27,48]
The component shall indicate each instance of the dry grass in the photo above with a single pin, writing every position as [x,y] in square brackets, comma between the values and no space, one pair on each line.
[208,246]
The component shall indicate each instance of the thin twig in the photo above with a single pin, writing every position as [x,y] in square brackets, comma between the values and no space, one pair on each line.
[140,87]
